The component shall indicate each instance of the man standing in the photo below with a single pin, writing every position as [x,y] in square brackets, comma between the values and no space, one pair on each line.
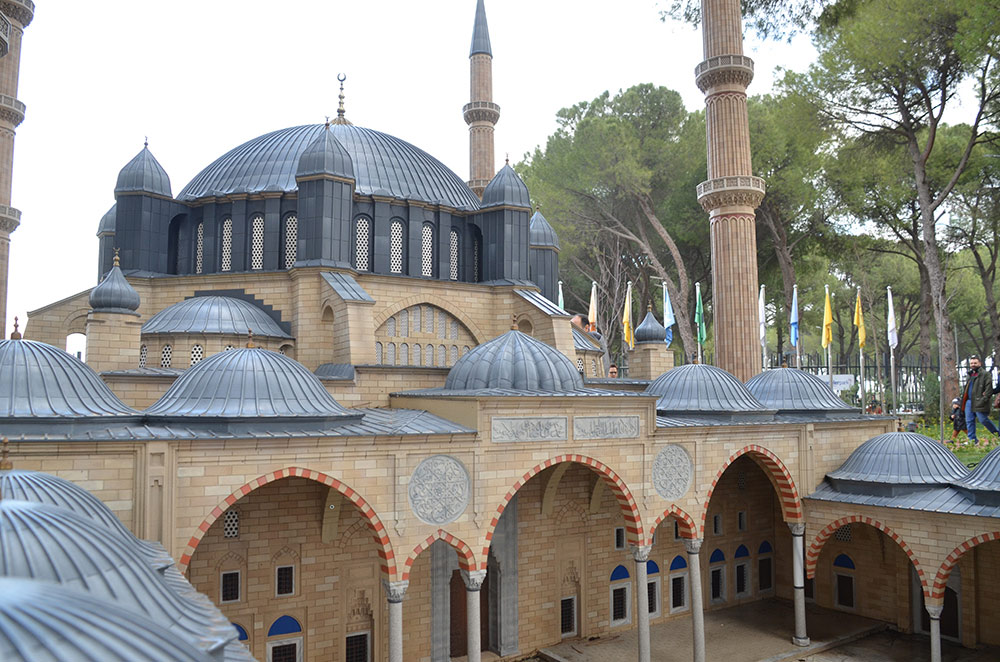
[976,397]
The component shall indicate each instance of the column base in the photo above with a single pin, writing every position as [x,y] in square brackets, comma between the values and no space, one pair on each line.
[801,641]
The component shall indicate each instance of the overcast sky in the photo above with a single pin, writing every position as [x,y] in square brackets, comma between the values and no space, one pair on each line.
[200,77]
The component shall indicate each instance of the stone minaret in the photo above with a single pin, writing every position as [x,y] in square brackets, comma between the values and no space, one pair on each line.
[16,16]
[731,193]
[481,114]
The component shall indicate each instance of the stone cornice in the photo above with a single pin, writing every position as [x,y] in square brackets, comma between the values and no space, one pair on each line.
[10,218]
[21,11]
[11,110]
[742,190]
[481,111]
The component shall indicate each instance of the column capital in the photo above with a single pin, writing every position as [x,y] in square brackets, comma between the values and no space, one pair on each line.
[693,545]
[473,579]
[395,591]
[641,552]
[934,611]
[797,528]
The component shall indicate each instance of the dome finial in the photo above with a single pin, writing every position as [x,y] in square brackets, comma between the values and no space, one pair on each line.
[15,334]
[340,118]
[250,344]
[5,463]
[116,262]
[513,322]
[145,141]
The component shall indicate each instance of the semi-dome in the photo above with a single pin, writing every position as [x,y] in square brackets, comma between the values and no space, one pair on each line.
[899,459]
[107,224]
[650,330]
[791,389]
[541,234]
[248,383]
[506,188]
[514,361]
[143,174]
[703,389]
[114,294]
[43,621]
[382,163]
[39,381]
[214,315]
[325,156]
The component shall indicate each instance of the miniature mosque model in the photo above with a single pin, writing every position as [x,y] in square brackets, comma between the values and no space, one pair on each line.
[330,410]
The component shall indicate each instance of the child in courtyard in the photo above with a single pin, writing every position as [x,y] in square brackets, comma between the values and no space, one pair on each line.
[957,419]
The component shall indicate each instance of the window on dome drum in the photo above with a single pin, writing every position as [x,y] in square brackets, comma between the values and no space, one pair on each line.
[619,538]
[143,353]
[567,616]
[166,354]
[579,364]
[362,235]
[291,240]
[357,648]
[427,251]
[620,603]
[283,652]
[227,245]
[229,348]
[197,354]
[230,586]
[742,571]
[199,248]
[284,580]
[257,242]
[396,247]
[453,254]
[231,524]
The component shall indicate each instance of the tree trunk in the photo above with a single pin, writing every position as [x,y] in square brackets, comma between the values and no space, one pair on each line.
[926,315]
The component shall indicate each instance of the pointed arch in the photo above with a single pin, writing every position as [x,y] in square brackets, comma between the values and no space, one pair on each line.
[447,306]
[777,473]
[944,572]
[466,558]
[685,523]
[379,532]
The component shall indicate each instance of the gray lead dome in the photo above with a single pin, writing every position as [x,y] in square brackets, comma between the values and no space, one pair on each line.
[650,330]
[514,361]
[541,234]
[703,389]
[791,389]
[506,188]
[114,294]
[900,458]
[143,174]
[325,156]
[214,314]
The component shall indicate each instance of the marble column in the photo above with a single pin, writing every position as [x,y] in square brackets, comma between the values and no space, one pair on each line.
[693,547]
[935,613]
[641,555]
[473,583]
[394,592]
[800,638]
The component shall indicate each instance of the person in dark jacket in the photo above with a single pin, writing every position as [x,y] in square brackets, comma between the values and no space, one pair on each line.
[977,397]
[957,418]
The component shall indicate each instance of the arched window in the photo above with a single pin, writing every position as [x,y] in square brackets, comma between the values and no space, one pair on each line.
[378,353]
[475,259]
[453,354]
[653,588]
[453,250]
[416,355]
[765,567]
[442,359]
[291,240]
[166,354]
[362,237]
[288,647]
[843,582]
[404,354]
[197,354]
[741,572]
[390,354]
[396,247]
[241,632]
[429,355]
[678,584]
[143,353]
[620,598]
[199,248]
[717,576]
[227,244]
[427,251]
[257,242]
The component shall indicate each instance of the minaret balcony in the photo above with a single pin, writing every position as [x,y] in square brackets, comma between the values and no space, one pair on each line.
[19,11]
[11,110]
[10,218]
[724,69]
[481,111]
[739,191]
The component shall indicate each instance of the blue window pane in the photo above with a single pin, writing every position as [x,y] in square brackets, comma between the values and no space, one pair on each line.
[765,548]
[742,551]
[284,625]
[652,568]
[717,557]
[242,633]
[619,573]
[843,561]
[678,563]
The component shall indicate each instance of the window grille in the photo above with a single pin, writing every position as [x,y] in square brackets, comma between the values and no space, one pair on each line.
[404,354]
[416,319]
[199,248]
[230,590]
[143,352]
[362,235]
[227,244]
[165,355]
[619,605]
[291,240]
[764,574]
[357,648]
[453,254]
[653,597]
[229,348]
[453,354]
[416,355]
[396,247]
[579,364]
[390,327]
[442,329]
[465,350]
[285,653]
[441,359]
[678,592]
[390,354]
[197,354]
[454,330]
[717,525]
[718,585]
[257,242]
[742,581]
[284,580]
[404,324]
[567,616]
[378,353]
[428,319]
[843,534]
[427,251]
[429,355]
[619,537]
[231,524]
[741,520]
[593,367]
[475,260]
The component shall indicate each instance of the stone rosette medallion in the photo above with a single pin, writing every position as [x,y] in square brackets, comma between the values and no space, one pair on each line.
[672,472]
[439,489]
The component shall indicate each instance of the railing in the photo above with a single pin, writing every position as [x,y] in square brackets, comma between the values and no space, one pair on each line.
[736,183]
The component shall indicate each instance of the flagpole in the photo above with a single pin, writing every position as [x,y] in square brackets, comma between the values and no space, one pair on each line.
[861,361]
[798,340]
[892,351]
[829,345]
[763,330]
[697,292]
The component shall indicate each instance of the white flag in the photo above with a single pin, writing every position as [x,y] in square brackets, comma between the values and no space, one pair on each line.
[891,322]
[760,315]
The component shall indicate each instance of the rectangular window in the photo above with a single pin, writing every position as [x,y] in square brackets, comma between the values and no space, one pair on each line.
[718,582]
[742,580]
[810,589]
[619,537]
[678,592]
[741,520]
[845,590]
[357,648]
[717,525]
[230,589]
[620,612]
[653,597]
[285,653]
[764,579]
[284,580]
[677,530]
[567,616]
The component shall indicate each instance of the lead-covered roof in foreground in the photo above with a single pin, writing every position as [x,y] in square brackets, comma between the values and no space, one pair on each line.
[216,315]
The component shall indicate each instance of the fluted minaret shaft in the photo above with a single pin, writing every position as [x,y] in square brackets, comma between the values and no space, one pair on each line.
[16,15]
[731,193]
[481,114]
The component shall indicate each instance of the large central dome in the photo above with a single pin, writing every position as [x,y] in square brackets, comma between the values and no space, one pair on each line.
[383,165]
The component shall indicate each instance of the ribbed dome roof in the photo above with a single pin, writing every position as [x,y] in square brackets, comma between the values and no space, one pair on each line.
[41,381]
[382,163]
[986,475]
[114,294]
[901,458]
[325,156]
[514,361]
[791,389]
[107,223]
[506,188]
[45,622]
[50,544]
[650,330]
[143,174]
[248,383]
[541,233]
[214,314]
[700,388]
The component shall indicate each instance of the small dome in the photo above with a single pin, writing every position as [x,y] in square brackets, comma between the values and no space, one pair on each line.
[114,294]
[901,458]
[791,389]
[41,381]
[506,188]
[650,330]
[541,234]
[143,174]
[248,383]
[986,475]
[703,389]
[107,224]
[214,315]
[325,156]
[514,361]
[43,621]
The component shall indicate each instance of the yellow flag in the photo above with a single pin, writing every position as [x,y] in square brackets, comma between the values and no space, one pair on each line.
[859,321]
[827,321]
[627,336]
[592,311]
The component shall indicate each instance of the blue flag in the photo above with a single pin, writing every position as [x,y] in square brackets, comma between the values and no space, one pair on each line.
[668,315]
[794,317]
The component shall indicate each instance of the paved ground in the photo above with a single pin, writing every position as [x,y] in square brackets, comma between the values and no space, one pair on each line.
[895,647]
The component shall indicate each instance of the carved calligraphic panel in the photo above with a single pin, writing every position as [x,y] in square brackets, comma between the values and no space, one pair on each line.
[439,489]
[672,471]
[605,427]
[508,429]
